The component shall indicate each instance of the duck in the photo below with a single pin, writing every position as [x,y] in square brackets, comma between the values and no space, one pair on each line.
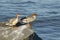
[29,18]
[13,21]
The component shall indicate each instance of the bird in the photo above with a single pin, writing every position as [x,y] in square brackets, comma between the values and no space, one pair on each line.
[13,21]
[29,18]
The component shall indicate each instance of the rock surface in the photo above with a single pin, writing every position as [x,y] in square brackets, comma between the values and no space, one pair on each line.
[17,33]
[33,36]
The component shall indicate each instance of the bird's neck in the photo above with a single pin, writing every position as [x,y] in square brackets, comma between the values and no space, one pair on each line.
[16,16]
[33,16]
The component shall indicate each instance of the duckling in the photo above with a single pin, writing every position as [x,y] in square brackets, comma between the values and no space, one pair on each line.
[29,19]
[13,21]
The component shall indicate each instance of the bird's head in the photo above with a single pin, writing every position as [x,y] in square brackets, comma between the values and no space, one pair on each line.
[33,14]
[17,14]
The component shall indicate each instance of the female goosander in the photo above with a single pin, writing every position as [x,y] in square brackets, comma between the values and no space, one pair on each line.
[13,21]
[29,19]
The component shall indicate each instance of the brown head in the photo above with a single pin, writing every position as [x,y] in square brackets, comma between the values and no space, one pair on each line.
[17,15]
[33,14]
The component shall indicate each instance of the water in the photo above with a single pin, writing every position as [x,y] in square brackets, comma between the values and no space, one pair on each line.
[47,24]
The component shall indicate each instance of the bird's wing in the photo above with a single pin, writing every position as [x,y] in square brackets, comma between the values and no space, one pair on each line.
[11,20]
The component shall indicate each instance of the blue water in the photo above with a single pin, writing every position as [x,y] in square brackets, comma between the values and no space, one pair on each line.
[47,24]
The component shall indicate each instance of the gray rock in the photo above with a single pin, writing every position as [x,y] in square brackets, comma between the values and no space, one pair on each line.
[17,33]
[33,36]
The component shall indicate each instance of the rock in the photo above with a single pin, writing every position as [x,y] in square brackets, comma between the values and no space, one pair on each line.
[18,33]
[33,36]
